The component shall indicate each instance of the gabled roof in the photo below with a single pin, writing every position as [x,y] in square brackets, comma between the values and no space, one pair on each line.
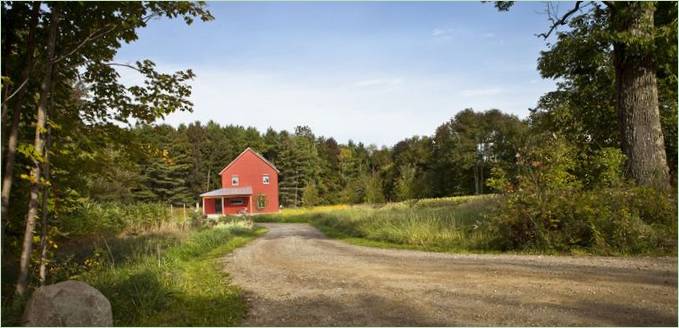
[256,154]
[234,191]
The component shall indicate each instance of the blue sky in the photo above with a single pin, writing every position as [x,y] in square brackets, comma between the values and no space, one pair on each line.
[366,71]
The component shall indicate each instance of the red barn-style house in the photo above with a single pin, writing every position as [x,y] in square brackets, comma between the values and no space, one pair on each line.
[249,186]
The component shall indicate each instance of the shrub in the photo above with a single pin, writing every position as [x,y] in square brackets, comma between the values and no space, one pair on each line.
[547,209]
[602,221]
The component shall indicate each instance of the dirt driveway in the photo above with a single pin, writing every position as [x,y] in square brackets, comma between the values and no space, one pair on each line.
[293,276]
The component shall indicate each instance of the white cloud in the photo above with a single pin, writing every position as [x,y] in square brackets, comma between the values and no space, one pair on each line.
[379,82]
[442,32]
[481,92]
[488,35]
[380,110]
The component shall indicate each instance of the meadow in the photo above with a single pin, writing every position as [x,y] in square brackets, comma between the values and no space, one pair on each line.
[613,222]
[435,224]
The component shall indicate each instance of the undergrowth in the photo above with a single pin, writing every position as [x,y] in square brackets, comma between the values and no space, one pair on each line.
[165,279]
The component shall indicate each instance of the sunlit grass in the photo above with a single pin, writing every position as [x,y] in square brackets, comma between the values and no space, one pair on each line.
[440,224]
[180,285]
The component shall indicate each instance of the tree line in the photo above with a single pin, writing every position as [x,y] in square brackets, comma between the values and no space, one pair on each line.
[175,165]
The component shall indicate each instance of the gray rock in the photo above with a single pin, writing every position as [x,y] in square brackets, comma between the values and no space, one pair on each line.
[68,303]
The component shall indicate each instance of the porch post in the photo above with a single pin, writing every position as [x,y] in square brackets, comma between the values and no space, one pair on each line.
[250,203]
[203,205]
[222,206]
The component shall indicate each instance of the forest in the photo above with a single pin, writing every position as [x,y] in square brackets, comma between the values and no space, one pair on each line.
[77,142]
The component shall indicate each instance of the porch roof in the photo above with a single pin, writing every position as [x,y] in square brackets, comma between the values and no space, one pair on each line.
[235,191]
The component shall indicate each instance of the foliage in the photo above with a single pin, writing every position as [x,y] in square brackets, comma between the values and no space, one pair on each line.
[548,209]
[620,221]
[310,195]
[583,106]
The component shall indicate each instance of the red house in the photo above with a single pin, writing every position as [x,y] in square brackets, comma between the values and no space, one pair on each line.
[249,186]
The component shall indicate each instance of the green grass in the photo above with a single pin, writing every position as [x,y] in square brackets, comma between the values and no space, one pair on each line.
[452,224]
[183,285]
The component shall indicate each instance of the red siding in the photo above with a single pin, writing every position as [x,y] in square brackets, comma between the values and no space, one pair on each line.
[209,206]
[235,209]
[250,169]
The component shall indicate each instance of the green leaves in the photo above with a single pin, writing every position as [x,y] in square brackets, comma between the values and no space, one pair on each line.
[159,95]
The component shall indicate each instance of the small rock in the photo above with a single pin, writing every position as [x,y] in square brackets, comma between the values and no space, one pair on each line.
[68,303]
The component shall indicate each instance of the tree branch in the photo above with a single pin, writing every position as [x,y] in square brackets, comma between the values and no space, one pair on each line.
[96,35]
[123,65]
[21,86]
[561,21]
[93,36]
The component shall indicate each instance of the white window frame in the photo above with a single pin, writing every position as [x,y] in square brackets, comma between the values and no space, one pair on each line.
[266,179]
[236,179]
[236,201]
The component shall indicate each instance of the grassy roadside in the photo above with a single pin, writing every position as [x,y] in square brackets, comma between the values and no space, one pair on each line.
[184,285]
[630,223]
[451,224]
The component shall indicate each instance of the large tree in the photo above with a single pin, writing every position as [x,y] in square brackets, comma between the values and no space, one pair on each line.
[610,59]
[80,52]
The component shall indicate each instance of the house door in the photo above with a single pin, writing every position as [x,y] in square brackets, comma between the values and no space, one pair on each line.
[218,206]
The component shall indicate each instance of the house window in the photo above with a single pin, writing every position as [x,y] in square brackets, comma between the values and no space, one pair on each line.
[236,202]
[265,179]
[261,201]
[234,180]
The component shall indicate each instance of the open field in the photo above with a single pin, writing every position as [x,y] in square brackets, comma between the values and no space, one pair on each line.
[438,224]
[294,276]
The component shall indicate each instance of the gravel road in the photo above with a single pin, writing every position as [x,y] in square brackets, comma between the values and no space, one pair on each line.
[294,276]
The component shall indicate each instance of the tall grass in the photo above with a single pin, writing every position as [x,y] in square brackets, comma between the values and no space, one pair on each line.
[155,265]
[112,218]
[442,224]
[612,221]
[178,284]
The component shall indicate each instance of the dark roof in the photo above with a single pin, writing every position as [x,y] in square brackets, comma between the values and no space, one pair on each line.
[235,191]
[256,154]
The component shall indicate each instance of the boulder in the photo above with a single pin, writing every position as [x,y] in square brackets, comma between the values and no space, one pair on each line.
[68,303]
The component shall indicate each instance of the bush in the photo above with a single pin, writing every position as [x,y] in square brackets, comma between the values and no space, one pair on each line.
[629,220]
[547,208]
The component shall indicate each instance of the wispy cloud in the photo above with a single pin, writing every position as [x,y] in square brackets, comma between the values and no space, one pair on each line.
[442,32]
[488,35]
[482,92]
[332,106]
[379,82]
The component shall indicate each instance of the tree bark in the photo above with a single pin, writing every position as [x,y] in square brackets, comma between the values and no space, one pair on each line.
[637,94]
[16,113]
[45,90]
[45,212]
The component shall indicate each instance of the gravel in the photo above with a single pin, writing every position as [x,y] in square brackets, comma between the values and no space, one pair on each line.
[294,276]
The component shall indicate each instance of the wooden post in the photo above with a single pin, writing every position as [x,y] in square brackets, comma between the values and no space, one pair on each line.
[222,206]
[203,206]
[250,203]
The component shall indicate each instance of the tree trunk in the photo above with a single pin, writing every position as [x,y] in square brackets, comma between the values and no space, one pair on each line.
[637,94]
[476,177]
[45,89]
[16,112]
[45,212]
